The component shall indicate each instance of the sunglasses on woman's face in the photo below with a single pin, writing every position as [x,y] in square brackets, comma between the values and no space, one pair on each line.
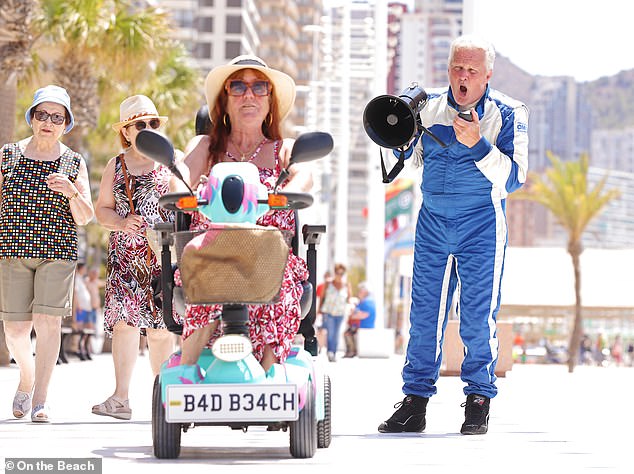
[43,115]
[239,88]
[141,125]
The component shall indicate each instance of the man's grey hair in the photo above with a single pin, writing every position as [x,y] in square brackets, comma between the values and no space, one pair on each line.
[473,42]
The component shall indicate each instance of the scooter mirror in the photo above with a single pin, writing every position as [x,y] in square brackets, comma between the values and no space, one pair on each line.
[159,148]
[310,146]
[156,146]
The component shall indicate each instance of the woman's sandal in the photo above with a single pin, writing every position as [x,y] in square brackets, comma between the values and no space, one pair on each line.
[21,404]
[39,414]
[115,408]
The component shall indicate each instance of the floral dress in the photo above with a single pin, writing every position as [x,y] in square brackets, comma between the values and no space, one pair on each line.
[273,324]
[131,265]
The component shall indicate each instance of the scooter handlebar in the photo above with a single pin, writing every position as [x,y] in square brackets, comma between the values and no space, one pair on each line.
[297,201]
[169,200]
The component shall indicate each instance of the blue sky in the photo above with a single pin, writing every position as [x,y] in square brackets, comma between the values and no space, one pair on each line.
[585,39]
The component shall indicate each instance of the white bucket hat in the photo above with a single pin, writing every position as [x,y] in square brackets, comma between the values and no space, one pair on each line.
[283,84]
[135,107]
[55,94]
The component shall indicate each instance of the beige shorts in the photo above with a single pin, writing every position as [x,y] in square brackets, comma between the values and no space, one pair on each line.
[34,285]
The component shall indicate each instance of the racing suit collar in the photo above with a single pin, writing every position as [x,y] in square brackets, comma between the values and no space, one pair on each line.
[479,105]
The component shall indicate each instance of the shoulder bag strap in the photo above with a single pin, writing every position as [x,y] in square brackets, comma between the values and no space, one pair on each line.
[129,190]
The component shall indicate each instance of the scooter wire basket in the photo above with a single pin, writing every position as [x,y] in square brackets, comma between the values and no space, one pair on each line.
[232,264]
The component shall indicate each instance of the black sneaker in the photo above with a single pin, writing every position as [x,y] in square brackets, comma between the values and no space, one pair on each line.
[409,416]
[476,415]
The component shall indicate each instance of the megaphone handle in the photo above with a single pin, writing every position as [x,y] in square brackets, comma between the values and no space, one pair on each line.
[435,138]
[396,169]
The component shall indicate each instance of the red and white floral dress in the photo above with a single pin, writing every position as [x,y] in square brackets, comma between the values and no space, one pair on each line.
[274,324]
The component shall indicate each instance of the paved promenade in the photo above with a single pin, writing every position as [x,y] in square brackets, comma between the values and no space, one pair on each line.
[544,421]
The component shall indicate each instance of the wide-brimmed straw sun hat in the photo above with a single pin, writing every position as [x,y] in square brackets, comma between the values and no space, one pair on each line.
[55,94]
[283,84]
[134,108]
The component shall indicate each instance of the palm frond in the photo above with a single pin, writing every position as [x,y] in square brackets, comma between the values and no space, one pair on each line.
[565,191]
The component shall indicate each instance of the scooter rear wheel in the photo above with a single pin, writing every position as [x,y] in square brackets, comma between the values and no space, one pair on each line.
[303,432]
[166,437]
[323,426]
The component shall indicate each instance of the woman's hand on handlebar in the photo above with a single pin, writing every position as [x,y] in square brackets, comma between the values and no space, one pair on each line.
[285,151]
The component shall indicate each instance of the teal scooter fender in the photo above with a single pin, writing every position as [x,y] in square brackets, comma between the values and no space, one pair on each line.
[247,370]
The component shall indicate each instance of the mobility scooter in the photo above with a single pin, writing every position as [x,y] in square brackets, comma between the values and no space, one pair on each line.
[237,263]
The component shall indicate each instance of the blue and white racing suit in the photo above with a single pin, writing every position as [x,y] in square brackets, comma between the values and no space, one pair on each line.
[461,237]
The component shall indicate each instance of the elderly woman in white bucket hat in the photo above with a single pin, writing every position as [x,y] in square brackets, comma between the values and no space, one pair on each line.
[45,196]
[247,102]
[127,206]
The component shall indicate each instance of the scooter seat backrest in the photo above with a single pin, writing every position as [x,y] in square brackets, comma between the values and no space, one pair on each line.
[306,300]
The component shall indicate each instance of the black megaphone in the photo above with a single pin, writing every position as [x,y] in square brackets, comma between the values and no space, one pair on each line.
[392,121]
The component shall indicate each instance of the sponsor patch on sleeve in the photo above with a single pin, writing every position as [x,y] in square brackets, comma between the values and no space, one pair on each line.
[521,127]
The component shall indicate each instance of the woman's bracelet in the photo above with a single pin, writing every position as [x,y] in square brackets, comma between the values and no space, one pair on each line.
[73,196]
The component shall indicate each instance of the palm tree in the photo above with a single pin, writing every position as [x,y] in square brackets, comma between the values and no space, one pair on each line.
[15,58]
[565,192]
[104,50]
[90,39]
[175,87]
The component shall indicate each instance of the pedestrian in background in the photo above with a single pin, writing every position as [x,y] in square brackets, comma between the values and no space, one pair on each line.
[82,305]
[319,320]
[94,285]
[82,310]
[461,233]
[128,204]
[336,295]
[363,316]
[45,196]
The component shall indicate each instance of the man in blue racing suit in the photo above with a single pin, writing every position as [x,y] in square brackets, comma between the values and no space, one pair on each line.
[461,232]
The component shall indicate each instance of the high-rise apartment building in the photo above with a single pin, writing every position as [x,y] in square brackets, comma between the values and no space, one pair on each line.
[614,227]
[279,31]
[426,34]
[215,31]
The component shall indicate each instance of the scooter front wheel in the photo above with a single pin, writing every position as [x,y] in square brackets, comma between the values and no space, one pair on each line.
[166,437]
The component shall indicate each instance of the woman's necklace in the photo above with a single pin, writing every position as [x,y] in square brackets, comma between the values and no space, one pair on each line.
[253,154]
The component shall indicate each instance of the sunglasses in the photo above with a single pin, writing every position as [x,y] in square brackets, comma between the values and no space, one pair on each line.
[239,88]
[43,116]
[141,125]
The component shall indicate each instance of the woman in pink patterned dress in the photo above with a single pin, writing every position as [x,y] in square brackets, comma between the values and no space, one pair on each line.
[127,205]
[247,102]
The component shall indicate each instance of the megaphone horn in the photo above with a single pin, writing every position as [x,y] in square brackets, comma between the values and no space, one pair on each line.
[391,121]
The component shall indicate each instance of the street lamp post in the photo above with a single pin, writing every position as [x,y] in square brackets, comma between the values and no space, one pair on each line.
[375,260]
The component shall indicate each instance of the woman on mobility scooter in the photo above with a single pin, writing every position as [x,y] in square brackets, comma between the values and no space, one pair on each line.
[247,101]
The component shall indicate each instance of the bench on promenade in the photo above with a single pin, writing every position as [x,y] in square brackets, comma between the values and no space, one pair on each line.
[83,344]
[453,350]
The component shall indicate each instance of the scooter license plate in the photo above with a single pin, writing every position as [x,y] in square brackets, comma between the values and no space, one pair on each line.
[231,402]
